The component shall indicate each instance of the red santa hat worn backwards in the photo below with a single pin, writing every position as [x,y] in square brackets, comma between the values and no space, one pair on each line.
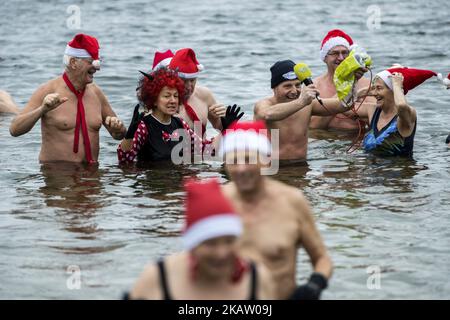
[185,63]
[334,38]
[411,77]
[84,46]
[162,59]
[246,136]
[208,214]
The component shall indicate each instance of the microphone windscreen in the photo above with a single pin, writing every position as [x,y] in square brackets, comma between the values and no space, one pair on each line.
[302,71]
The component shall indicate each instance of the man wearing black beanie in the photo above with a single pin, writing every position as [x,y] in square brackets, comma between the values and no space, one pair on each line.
[290,109]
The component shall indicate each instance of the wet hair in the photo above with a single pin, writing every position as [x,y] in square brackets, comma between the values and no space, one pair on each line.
[150,86]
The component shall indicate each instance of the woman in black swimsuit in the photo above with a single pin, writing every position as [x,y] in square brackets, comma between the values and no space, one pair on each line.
[210,267]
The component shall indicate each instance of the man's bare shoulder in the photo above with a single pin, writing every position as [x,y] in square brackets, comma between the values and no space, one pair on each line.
[289,194]
[319,79]
[262,104]
[203,92]
[145,287]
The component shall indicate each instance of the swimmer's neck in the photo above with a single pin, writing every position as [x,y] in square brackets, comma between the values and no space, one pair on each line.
[389,110]
[161,117]
[78,85]
[204,280]
[256,194]
[329,75]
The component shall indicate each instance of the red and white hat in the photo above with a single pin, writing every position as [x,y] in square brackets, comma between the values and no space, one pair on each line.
[84,46]
[411,77]
[186,64]
[445,81]
[246,136]
[208,214]
[334,38]
[162,59]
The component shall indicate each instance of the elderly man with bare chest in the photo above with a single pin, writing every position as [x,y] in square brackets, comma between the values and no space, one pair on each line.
[72,108]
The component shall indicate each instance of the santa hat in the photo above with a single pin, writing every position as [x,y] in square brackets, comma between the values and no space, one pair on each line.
[84,46]
[246,136]
[186,64]
[411,77]
[208,214]
[445,81]
[334,38]
[162,59]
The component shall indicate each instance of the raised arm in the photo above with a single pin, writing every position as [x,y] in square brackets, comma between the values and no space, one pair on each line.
[41,102]
[266,111]
[215,110]
[406,114]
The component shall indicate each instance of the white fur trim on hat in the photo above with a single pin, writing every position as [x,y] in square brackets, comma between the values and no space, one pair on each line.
[162,64]
[188,75]
[210,228]
[330,44]
[75,52]
[245,140]
[183,75]
[386,77]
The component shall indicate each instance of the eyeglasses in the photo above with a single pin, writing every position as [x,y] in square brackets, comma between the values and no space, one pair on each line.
[336,54]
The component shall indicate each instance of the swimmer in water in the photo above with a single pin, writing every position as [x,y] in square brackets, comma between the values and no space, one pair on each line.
[210,267]
[200,105]
[277,218]
[290,109]
[335,48]
[392,120]
[72,108]
[152,135]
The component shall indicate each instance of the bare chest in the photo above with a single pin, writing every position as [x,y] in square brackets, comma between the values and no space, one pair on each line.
[64,117]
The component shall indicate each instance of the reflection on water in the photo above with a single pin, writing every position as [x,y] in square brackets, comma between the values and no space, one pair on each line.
[110,221]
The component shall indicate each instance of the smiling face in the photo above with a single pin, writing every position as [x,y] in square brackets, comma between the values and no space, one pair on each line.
[245,170]
[384,95]
[216,257]
[83,69]
[335,56]
[167,102]
[287,90]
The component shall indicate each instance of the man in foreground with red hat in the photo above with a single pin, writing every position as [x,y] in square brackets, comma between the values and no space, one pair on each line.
[335,48]
[7,104]
[72,108]
[276,217]
[200,105]
[210,268]
[392,120]
[290,108]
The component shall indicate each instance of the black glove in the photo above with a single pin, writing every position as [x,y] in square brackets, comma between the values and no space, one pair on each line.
[231,115]
[137,117]
[311,290]
[448,139]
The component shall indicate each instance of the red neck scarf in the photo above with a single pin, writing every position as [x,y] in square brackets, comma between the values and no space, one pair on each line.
[81,122]
[193,116]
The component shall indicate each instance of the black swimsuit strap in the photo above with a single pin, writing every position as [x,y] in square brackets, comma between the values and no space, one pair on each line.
[163,278]
[253,281]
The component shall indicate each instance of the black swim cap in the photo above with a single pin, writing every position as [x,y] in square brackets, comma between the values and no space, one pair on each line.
[282,71]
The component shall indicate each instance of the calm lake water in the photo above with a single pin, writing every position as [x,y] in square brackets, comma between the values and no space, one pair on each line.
[387,214]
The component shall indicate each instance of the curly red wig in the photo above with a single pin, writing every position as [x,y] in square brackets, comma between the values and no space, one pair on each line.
[151,85]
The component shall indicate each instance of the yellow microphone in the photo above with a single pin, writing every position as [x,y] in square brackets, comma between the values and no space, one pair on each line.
[304,74]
